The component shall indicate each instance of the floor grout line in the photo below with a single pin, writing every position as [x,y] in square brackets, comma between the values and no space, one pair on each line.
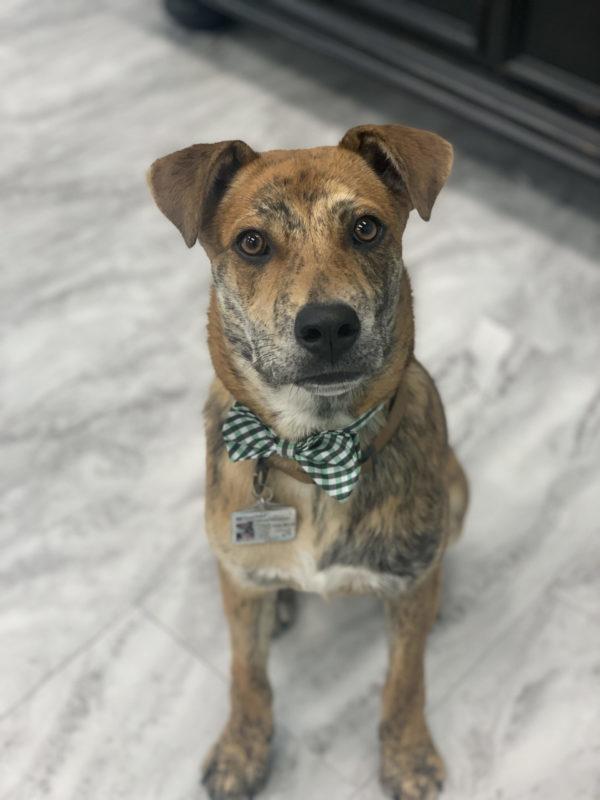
[124,609]
[180,640]
[86,645]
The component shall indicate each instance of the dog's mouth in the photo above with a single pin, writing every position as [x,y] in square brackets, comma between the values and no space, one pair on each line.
[329,384]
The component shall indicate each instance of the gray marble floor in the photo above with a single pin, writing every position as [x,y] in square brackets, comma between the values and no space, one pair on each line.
[113,648]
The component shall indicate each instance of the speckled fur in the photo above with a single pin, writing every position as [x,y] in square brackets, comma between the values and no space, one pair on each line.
[390,536]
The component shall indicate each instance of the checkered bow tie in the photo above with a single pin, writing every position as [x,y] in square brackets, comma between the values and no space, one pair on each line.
[331,458]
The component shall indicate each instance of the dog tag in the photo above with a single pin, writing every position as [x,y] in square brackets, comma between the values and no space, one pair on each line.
[263,522]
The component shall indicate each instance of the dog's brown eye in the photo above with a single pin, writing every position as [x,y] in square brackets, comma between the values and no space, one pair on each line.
[252,243]
[366,229]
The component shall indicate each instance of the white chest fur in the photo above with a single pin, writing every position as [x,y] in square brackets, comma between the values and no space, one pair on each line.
[302,573]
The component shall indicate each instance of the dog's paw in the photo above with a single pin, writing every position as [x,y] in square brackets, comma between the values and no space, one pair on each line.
[237,766]
[416,774]
[285,611]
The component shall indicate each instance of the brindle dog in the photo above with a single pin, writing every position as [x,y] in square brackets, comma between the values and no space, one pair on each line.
[310,325]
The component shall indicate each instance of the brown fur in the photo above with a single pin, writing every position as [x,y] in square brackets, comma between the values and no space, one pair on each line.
[410,767]
[238,763]
[390,536]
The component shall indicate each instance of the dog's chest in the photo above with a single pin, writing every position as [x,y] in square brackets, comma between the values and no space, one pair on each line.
[306,562]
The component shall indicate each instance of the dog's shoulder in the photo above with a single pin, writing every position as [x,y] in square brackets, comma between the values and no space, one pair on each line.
[398,516]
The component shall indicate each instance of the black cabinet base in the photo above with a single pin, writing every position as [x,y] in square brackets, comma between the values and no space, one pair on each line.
[195,15]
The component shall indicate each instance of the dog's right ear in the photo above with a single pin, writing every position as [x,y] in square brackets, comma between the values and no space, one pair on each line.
[188,185]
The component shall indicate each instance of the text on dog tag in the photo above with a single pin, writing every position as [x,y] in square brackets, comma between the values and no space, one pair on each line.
[263,522]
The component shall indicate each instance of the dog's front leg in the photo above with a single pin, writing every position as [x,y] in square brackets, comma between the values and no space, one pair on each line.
[238,764]
[411,768]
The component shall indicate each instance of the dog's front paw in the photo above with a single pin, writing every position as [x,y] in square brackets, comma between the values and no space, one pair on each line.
[411,774]
[238,764]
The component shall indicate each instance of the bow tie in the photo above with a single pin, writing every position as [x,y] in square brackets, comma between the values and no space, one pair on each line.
[331,458]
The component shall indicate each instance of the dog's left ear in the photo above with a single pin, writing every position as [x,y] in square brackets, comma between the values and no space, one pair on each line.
[188,185]
[409,161]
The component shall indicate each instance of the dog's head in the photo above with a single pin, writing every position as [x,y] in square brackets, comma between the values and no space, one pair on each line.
[306,249]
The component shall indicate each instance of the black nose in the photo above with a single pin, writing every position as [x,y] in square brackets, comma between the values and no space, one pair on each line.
[327,329]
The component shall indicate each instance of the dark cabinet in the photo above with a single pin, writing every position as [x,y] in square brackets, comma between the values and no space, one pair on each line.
[454,22]
[529,69]
[549,46]
[554,47]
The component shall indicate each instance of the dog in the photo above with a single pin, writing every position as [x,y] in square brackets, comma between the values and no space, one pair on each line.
[310,329]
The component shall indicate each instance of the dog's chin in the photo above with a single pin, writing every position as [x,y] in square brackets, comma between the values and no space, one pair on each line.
[330,385]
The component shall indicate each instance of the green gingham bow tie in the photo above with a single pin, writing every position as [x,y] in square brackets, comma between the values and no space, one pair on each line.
[331,458]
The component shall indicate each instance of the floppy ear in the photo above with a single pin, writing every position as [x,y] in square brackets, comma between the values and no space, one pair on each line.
[188,185]
[409,161]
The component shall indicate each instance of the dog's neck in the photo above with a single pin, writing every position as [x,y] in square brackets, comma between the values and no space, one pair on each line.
[292,411]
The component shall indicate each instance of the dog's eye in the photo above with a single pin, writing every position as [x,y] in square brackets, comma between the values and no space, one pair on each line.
[253,243]
[366,229]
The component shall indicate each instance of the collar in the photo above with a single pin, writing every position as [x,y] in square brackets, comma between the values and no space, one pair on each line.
[293,470]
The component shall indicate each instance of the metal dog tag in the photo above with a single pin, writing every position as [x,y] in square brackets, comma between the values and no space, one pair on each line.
[263,522]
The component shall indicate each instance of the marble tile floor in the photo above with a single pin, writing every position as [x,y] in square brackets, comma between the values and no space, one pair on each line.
[113,667]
